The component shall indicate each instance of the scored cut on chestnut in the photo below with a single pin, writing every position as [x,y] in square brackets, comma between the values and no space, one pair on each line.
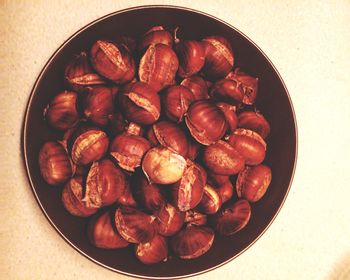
[206,122]
[232,218]
[103,234]
[211,200]
[140,103]
[62,112]
[54,163]
[253,182]
[158,66]
[169,220]
[112,61]
[192,241]
[79,74]
[134,225]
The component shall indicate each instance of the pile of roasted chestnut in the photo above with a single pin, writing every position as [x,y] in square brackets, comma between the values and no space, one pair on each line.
[161,144]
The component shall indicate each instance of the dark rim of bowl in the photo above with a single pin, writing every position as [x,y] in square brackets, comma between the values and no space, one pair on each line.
[24,140]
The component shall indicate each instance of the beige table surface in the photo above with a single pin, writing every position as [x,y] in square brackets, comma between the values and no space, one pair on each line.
[309,43]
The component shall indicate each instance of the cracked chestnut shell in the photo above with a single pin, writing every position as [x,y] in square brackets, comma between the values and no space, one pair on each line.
[87,144]
[211,200]
[232,218]
[140,103]
[192,241]
[188,191]
[254,121]
[156,35]
[158,66]
[228,91]
[253,182]
[195,218]
[248,84]
[171,136]
[54,163]
[169,220]
[221,158]
[198,86]
[99,105]
[79,74]
[103,234]
[191,55]
[222,185]
[128,150]
[206,122]
[105,184]
[72,198]
[153,251]
[147,194]
[134,225]
[62,112]
[176,101]
[219,58]
[249,144]
[162,166]
[112,61]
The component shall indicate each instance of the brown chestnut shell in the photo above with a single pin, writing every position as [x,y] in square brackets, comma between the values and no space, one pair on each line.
[191,55]
[228,91]
[254,121]
[194,217]
[253,182]
[211,200]
[230,114]
[153,251]
[156,35]
[54,163]
[103,234]
[169,220]
[232,218]
[198,86]
[192,241]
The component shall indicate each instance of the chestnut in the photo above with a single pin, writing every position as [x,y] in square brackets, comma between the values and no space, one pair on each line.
[249,144]
[62,111]
[156,35]
[134,225]
[148,194]
[162,166]
[228,91]
[188,192]
[171,136]
[88,144]
[158,66]
[128,150]
[253,181]
[72,198]
[105,184]
[79,74]
[195,218]
[198,86]
[117,124]
[103,234]
[254,121]
[54,163]
[99,106]
[140,103]
[176,101]
[153,251]
[230,114]
[192,241]
[222,185]
[221,158]
[248,84]
[191,55]
[112,62]
[169,220]
[211,200]
[219,58]
[232,218]
[206,122]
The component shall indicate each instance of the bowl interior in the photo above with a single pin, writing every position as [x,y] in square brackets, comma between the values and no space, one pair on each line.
[273,101]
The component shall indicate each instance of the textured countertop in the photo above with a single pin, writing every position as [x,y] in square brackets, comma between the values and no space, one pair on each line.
[308,42]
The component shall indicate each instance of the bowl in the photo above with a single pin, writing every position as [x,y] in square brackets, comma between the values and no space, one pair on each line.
[273,101]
